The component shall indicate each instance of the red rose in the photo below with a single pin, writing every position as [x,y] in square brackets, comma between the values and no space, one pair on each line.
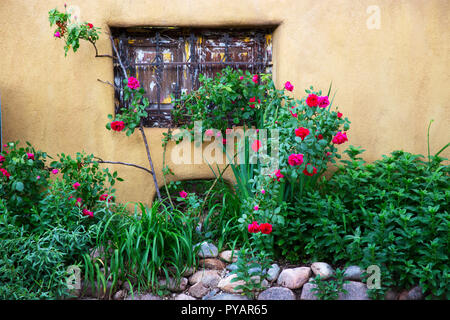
[319,137]
[312,100]
[88,213]
[288,86]
[2,158]
[255,79]
[117,125]
[105,196]
[340,138]
[30,156]
[306,170]
[133,83]
[302,132]
[295,159]
[253,227]
[339,115]
[5,173]
[90,25]
[265,228]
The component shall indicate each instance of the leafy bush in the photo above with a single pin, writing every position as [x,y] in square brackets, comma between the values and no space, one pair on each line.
[329,289]
[46,224]
[392,213]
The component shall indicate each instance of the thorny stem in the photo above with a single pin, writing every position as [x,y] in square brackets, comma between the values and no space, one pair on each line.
[100,55]
[124,163]
[141,127]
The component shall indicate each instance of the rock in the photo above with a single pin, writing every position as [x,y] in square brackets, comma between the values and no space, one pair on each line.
[273,272]
[227,296]
[294,278]
[211,263]
[147,296]
[226,285]
[126,286]
[391,294]
[210,294]
[207,250]
[173,285]
[226,255]
[232,267]
[198,290]
[414,294]
[322,269]
[354,273]
[277,293]
[120,295]
[209,278]
[183,296]
[189,272]
[355,291]
[307,292]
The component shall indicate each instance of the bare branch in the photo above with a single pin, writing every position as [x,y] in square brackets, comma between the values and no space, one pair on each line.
[107,82]
[124,163]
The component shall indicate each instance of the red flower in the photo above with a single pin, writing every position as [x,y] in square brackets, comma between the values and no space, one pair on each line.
[255,79]
[30,156]
[86,212]
[295,159]
[76,185]
[90,25]
[340,138]
[183,194]
[78,202]
[105,196]
[117,125]
[133,83]
[253,227]
[339,115]
[2,158]
[256,145]
[312,100]
[278,175]
[265,228]
[323,102]
[319,136]
[5,173]
[293,114]
[252,99]
[305,171]
[288,86]
[302,132]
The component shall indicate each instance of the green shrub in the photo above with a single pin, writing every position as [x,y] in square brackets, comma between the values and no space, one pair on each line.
[392,213]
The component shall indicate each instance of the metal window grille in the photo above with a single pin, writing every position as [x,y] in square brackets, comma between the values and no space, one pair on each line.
[169,61]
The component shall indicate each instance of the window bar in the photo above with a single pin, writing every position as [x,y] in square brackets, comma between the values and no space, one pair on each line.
[259,56]
[159,70]
[193,69]
[226,39]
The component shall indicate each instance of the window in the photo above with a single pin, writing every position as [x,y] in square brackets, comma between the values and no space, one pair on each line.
[169,60]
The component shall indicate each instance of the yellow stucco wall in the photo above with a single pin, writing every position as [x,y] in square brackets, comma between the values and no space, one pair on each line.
[391,81]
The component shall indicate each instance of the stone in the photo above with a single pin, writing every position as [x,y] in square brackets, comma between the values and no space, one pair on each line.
[173,285]
[307,292]
[228,296]
[211,263]
[211,294]
[294,278]
[391,295]
[226,285]
[147,296]
[120,295]
[277,293]
[355,291]
[322,269]
[205,276]
[126,286]
[232,267]
[226,255]
[414,294]
[354,273]
[198,290]
[273,272]
[183,296]
[207,250]
[188,272]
